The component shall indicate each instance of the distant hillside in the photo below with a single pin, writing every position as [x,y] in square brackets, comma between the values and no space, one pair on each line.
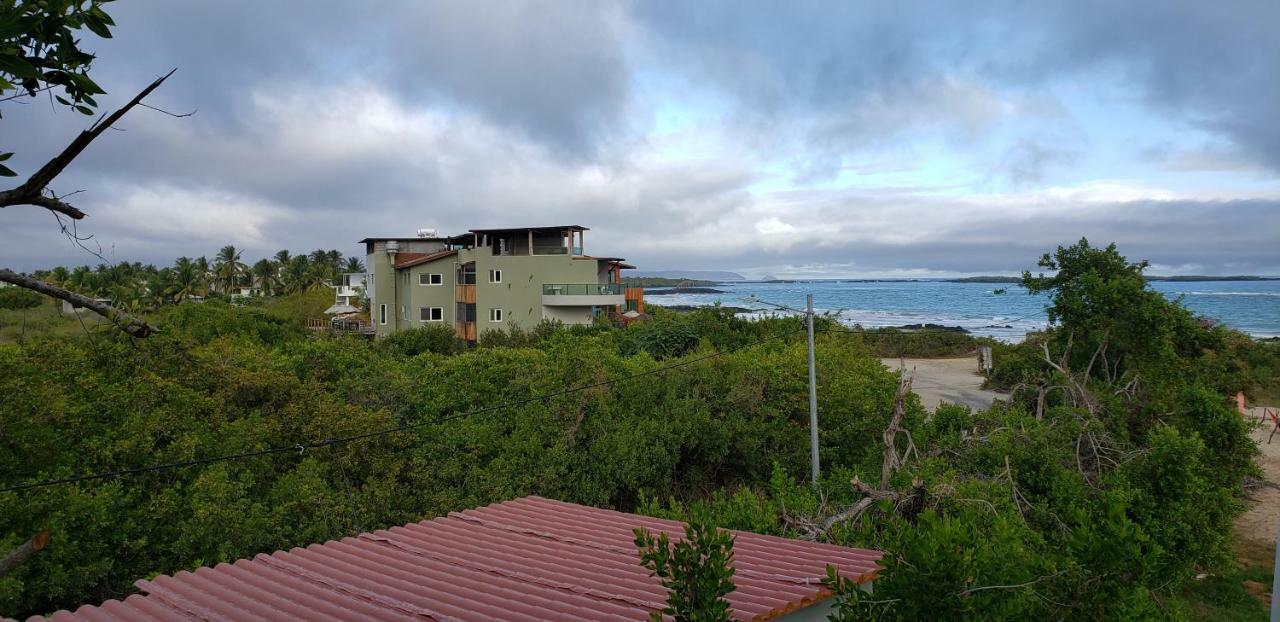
[705,275]
[655,281]
[1185,278]
[1195,277]
[987,279]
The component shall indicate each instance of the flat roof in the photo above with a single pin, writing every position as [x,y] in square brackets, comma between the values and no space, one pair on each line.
[551,228]
[411,239]
[526,559]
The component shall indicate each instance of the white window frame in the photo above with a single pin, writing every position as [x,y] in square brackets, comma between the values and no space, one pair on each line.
[495,315]
[495,276]
[438,312]
[382,314]
[431,276]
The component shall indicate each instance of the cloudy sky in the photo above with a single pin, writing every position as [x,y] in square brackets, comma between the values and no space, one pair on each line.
[793,139]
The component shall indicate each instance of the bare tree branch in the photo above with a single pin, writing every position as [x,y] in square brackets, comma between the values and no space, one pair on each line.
[32,191]
[122,320]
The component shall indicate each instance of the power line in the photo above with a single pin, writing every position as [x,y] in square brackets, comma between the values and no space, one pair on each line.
[301,448]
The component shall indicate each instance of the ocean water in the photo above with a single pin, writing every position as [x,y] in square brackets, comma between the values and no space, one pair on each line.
[1250,306]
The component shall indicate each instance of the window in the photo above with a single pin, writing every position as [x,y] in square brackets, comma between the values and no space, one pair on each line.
[382,314]
[495,276]
[430,279]
[430,314]
[495,315]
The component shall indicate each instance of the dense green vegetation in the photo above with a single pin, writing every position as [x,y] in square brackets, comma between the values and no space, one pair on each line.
[1101,500]
[144,287]
[18,298]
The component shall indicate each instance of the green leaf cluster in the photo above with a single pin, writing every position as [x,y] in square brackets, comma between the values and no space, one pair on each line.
[697,571]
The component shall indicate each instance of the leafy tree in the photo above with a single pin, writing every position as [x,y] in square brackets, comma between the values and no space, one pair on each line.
[353,265]
[40,50]
[697,571]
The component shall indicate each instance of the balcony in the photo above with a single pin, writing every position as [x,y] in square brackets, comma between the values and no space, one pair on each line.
[582,294]
[557,250]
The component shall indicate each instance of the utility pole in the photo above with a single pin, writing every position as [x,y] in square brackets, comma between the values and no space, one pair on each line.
[813,394]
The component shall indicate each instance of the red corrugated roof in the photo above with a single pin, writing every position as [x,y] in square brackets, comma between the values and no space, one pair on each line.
[526,559]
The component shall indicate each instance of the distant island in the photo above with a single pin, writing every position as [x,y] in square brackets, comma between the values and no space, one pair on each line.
[655,281]
[685,275]
[1194,278]
[1182,278]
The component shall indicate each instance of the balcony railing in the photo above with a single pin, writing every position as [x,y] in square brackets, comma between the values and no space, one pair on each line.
[556,250]
[581,289]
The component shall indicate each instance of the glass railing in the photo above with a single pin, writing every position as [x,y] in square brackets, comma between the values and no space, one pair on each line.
[581,289]
[556,250]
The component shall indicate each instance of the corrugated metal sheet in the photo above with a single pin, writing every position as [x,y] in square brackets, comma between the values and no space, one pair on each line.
[526,559]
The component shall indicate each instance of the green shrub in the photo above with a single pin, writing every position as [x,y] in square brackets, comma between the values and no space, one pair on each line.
[696,571]
[210,320]
[435,338]
[19,298]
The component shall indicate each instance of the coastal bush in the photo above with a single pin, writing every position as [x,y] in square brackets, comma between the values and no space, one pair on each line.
[211,319]
[435,338]
[224,380]
[19,298]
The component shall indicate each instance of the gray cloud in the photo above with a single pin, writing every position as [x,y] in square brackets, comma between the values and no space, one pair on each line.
[322,123]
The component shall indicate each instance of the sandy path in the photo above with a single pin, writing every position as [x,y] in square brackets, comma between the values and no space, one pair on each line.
[951,380]
[1256,528]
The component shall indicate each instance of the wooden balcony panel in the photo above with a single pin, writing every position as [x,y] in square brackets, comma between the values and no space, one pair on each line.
[465,294]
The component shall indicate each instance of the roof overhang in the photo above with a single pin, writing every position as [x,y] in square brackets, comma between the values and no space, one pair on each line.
[549,229]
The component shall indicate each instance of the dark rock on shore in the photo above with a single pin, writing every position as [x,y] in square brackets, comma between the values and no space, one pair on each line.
[950,329]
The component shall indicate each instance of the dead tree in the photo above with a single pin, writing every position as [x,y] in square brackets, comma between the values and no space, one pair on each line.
[35,192]
[908,502]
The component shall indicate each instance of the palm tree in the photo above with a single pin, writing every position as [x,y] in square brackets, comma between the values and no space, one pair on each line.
[282,258]
[228,268]
[296,275]
[353,265]
[266,273]
[187,279]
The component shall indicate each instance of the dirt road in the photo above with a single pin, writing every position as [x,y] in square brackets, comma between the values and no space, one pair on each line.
[949,380]
[1256,528]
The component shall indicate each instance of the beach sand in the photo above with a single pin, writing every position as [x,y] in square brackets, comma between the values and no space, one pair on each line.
[949,380]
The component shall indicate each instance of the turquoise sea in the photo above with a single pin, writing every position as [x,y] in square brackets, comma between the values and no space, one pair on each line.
[1250,306]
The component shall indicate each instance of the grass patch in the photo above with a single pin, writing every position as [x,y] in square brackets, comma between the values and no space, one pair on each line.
[1226,598]
[46,319]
